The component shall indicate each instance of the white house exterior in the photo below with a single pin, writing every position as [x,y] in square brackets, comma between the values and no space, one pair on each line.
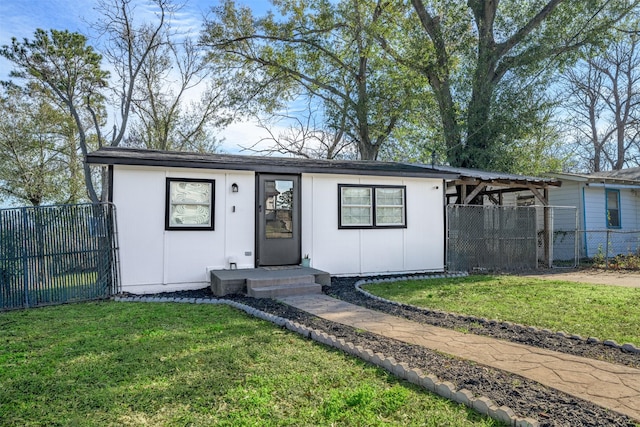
[351,218]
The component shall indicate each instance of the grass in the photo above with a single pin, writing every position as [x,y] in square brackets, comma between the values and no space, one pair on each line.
[52,289]
[605,312]
[107,363]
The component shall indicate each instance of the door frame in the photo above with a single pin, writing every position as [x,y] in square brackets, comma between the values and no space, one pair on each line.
[297,215]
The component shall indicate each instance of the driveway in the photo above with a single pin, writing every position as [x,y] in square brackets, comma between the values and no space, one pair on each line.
[630,279]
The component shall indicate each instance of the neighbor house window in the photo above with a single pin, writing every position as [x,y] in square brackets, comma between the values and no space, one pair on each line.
[371,206]
[189,204]
[613,208]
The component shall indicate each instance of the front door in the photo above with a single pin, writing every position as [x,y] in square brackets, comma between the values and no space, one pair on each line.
[278,205]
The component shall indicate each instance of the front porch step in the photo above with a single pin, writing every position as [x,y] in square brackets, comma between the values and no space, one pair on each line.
[272,287]
[285,290]
[241,281]
[262,282]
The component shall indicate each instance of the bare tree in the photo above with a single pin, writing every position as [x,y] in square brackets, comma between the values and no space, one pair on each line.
[604,105]
[307,136]
[164,121]
[69,73]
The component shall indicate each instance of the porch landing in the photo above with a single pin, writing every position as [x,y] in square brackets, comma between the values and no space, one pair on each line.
[269,281]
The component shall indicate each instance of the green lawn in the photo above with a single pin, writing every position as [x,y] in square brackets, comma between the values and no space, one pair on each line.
[144,364]
[605,312]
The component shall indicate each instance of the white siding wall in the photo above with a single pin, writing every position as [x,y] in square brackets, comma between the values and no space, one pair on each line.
[419,247]
[155,260]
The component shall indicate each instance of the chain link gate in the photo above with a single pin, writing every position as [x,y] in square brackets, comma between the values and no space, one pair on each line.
[563,237]
[510,237]
[57,254]
[491,237]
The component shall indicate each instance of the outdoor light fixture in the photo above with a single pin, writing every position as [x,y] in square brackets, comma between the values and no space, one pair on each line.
[234,188]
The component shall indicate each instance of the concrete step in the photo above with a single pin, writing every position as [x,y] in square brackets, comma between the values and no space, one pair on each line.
[254,283]
[284,290]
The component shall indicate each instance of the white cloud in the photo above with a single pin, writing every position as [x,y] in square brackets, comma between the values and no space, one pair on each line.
[243,135]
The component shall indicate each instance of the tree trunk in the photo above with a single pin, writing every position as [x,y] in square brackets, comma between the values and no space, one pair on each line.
[368,151]
[479,133]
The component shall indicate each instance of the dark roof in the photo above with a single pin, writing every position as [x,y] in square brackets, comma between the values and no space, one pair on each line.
[494,177]
[622,176]
[140,157]
[629,174]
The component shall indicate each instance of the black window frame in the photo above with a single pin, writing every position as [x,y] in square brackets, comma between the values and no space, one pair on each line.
[168,203]
[373,225]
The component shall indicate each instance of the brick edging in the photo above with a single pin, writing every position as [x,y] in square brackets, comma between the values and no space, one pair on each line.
[628,347]
[446,389]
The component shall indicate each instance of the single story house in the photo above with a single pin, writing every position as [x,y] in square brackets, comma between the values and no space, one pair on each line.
[606,211]
[182,215]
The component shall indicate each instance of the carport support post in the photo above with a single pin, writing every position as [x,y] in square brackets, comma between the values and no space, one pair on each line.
[548,232]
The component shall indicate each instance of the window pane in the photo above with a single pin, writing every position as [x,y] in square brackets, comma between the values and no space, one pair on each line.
[190,215]
[356,196]
[613,210]
[190,204]
[356,216]
[190,192]
[389,206]
[278,209]
[389,216]
[389,196]
[613,218]
[612,200]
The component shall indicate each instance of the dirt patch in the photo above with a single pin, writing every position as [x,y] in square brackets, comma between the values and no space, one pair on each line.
[624,278]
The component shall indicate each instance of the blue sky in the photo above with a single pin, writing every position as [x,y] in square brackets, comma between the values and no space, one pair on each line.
[20,18]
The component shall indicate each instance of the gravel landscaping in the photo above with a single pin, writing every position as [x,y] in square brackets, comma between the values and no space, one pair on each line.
[525,397]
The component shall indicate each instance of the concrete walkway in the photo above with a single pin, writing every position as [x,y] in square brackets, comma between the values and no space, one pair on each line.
[612,386]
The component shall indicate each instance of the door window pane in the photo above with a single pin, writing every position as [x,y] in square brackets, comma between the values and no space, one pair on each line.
[278,213]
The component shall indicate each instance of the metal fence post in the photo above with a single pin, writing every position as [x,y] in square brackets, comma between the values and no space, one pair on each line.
[606,254]
[25,257]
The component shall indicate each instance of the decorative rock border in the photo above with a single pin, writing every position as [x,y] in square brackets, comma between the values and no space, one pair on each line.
[481,404]
[628,347]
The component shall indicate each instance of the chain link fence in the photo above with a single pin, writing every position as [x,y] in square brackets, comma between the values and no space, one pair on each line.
[527,237]
[610,248]
[558,242]
[491,237]
[57,254]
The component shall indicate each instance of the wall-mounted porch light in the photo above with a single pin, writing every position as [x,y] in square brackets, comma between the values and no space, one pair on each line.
[234,188]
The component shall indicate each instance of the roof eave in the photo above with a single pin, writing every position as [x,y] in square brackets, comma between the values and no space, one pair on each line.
[261,165]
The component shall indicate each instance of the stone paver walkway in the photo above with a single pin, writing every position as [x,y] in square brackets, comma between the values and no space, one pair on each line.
[612,386]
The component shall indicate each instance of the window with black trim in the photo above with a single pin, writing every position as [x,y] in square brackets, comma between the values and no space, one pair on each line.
[190,204]
[613,208]
[371,206]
